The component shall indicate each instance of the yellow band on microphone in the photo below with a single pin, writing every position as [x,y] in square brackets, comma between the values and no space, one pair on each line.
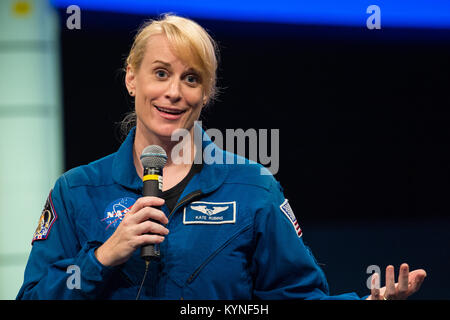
[150,177]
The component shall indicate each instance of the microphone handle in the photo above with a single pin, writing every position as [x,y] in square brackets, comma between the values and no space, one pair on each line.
[152,186]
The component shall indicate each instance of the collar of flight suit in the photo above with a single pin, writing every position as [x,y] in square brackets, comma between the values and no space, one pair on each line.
[211,177]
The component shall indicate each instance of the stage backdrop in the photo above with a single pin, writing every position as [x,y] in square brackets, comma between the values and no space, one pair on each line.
[362,116]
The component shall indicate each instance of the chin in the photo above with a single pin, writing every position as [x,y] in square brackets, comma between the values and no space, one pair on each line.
[166,131]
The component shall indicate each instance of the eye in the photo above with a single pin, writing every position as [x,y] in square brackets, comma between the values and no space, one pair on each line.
[192,79]
[161,74]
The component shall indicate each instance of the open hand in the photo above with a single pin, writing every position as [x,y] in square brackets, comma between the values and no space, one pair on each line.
[408,283]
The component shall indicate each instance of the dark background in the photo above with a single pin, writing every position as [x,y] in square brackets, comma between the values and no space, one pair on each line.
[364,129]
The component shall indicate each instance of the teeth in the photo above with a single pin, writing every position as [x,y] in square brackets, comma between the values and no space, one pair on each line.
[168,111]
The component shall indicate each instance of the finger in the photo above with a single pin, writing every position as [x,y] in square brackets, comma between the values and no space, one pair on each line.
[403,277]
[146,202]
[151,227]
[149,213]
[149,239]
[416,279]
[390,282]
[375,287]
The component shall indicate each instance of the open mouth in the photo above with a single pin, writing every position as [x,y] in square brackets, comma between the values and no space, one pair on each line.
[169,110]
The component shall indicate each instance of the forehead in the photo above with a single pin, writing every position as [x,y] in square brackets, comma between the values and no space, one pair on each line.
[159,48]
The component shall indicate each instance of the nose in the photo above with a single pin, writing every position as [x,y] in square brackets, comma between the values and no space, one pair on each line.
[173,92]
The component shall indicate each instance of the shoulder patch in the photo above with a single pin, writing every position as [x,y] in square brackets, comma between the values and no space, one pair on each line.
[48,217]
[287,210]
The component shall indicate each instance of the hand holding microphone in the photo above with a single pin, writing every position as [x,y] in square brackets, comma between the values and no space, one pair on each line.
[142,227]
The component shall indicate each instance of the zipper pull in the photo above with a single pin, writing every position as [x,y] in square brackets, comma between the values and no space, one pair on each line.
[186,199]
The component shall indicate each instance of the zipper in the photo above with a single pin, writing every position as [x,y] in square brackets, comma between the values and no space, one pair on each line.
[211,256]
[126,278]
[187,198]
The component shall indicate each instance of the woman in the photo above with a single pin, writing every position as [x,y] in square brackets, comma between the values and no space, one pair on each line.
[250,248]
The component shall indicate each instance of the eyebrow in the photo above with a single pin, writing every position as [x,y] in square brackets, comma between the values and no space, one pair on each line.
[162,62]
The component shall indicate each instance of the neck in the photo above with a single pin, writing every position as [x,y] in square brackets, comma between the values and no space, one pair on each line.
[180,155]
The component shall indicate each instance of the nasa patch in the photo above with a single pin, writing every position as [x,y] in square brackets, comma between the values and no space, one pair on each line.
[287,210]
[48,217]
[116,210]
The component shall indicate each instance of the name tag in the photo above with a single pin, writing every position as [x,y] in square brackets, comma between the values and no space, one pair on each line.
[201,212]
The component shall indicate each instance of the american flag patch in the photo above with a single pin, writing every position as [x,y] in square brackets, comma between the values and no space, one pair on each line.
[287,210]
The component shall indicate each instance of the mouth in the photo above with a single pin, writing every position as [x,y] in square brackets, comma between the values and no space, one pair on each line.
[169,110]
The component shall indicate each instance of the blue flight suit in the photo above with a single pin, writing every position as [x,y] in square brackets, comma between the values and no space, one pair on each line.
[232,236]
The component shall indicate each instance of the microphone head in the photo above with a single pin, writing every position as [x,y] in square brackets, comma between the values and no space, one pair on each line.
[153,157]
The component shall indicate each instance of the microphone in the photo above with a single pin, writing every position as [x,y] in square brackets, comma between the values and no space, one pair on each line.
[153,159]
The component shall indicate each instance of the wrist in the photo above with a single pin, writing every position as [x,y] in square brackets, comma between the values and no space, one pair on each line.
[99,254]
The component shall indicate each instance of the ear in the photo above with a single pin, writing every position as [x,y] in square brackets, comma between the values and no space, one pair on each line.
[130,81]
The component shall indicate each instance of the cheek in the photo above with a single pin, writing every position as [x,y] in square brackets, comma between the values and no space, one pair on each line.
[152,90]
[194,97]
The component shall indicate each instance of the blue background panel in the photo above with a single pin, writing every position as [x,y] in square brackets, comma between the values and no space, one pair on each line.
[398,13]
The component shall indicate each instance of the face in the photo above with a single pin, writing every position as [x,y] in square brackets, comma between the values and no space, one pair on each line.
[168,93]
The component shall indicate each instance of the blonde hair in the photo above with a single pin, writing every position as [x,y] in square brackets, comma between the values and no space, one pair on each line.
[191,43]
